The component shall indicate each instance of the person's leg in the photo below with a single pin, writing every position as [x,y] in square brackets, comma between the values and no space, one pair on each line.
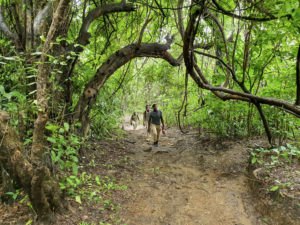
[135,125]
[153,132]
[147,133]
[158,129]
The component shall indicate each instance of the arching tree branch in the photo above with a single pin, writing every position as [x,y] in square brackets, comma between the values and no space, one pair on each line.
[5,29]
[42,14]
[84,35]
[113,63]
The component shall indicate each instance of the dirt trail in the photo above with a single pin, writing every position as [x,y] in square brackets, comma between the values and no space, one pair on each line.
[182,183]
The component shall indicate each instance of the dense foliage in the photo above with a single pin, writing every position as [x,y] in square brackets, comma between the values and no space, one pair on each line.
[273,49]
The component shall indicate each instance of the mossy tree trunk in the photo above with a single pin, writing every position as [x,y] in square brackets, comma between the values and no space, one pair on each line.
[42,188]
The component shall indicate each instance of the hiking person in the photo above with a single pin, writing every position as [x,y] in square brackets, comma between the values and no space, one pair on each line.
[134,120]
[155,118]
[146,116]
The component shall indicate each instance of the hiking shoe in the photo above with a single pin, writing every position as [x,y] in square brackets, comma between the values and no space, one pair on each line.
[155,144]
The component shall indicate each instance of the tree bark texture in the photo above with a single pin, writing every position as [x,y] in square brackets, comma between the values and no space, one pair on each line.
[42,188]
[44,73]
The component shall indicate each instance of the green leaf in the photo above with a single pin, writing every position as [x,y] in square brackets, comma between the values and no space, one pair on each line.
[23,199]
[61,130]
[97,180]
[53,156]
[275,188]
[63,63]
[43,38]
[75,159]
[52,127]
[70,181]
[10,58]
[66,126]
[29,222]
[51,139]
[282,148]
[2,90]
[36,53]
[253,160]
[78,199]
[75,168]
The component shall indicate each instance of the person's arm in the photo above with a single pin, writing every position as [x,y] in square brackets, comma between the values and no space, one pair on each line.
[149,123]
[131,120]
[162,121]
[144,118]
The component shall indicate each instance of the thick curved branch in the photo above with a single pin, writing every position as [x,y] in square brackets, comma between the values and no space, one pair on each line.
[5,29]
[113,63]
[84,35]
[38,20]
[289,107]
[127,53]
[228,13]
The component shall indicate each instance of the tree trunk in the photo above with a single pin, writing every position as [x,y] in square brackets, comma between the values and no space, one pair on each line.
[35,177]
[265,123]
[42,188]
[44,72]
